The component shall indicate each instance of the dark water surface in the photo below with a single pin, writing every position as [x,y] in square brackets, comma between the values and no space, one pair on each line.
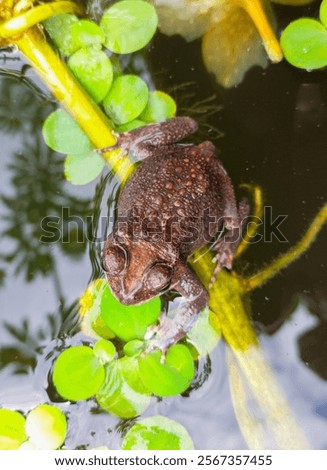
[275,136]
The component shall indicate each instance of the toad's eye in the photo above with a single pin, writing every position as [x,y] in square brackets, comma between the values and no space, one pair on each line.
[159,277]
[114,259]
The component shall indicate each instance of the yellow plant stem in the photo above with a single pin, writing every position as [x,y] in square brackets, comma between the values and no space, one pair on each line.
[253,224]
[229,314]
[276,426]
[71,95]
[255,10]
[18,24]
[293,254]
[227,304]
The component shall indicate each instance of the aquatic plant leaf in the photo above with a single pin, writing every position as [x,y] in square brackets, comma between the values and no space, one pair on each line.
[122,393]
[12,429]
[129,26]
[126,99]
[323,13]
[129,126]
[78,373]
[59,28]
[104,350]
[160,107]
[304,43]
[83,168]
[171,377]
[134,347]
[93,70]
[86,33]
[90,310]
[62,133]
[295,3]
[203,336]
[128,321]
[157,433]
[46,427]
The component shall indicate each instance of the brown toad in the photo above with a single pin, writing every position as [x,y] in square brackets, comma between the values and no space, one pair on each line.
[179,199]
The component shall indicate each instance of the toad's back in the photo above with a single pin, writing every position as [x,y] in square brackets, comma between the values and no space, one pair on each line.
[178,192]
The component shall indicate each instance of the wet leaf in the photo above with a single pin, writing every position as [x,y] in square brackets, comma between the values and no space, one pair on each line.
[78,373]
[90,310]
[160,107]
[59,28]
[128,322]
[46,427]
[304,43]
[104,350]
[203,335]
[157,433]
[12,429]
[323,13]
[129,126]
[83,168]
[93,70]
[134,347]
[171,377]
[126,99]
[62,133]
[129,25]
[86,33]
[122,392]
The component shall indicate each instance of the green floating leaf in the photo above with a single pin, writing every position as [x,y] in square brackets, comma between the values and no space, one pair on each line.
[129,25]
[59,28]
[157,433]
[122,392]
[78,373]
[160,107]
[86,33]
[304,43]
[134,347]
[104,350]
[202,335]
[323,13]
[93,70]
[171,377]
[90,310]
[83,168]
[46,427]
[129,126]
[12,429]
[126,99]
[62,134]
[128,321]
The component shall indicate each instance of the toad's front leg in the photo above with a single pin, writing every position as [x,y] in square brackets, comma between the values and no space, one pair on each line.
[141,143]
[171,329]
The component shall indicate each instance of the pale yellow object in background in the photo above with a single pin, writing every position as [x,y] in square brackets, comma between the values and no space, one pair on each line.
[237,34]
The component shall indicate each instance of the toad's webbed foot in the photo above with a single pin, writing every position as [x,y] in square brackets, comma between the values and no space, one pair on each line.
[173,327]
[170,329]
[225,247]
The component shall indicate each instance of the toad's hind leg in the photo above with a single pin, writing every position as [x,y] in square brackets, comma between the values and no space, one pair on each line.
[226,246]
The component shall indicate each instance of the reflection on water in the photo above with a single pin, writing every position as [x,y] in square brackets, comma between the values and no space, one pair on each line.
[40,283]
